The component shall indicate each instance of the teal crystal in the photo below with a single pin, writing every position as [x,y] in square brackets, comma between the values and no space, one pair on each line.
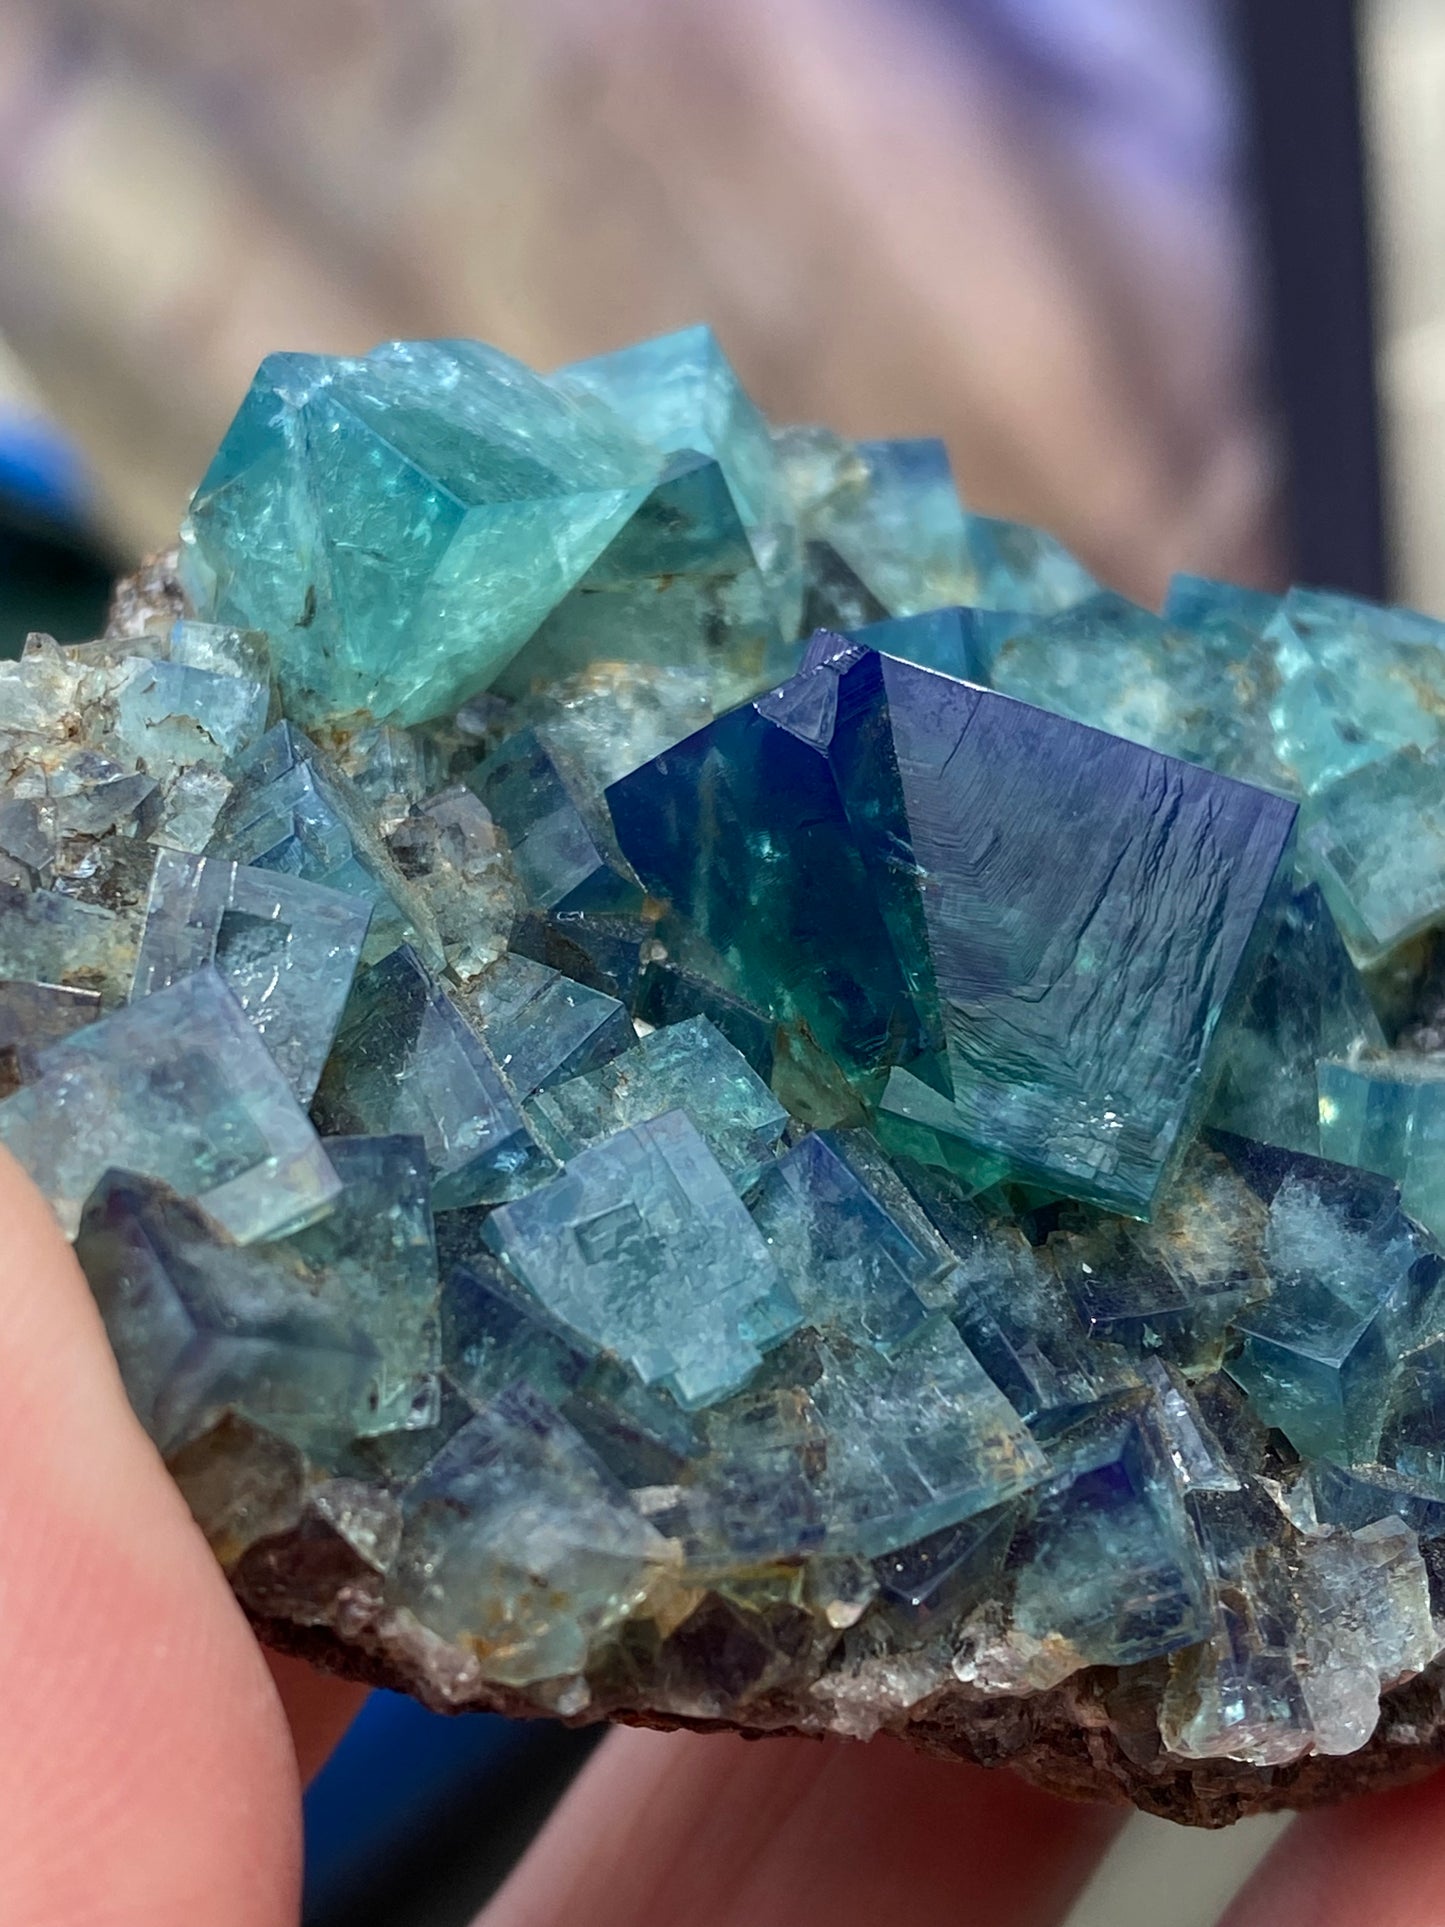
[291,810]
[688,1066]
[1329,717]
[1384,888]
[1385,1111]
[895,521]
[1307,1003]
[1110,663]
[399,525]
[679,393]
[678,586]
[700,1085]
[543,1028]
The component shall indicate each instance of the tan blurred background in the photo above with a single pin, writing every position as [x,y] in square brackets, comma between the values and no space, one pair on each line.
[900,217]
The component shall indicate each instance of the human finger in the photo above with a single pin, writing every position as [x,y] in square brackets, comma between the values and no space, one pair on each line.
[719,1831]
[147,1776]
[1380,1859]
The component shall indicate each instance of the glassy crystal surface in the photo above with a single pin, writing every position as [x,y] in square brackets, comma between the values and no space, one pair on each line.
[1307,1002]
[1384,888]
[688,1066]
[1385,1112]
[292,810]
[851,1184]
[400,524]
[287,951]
[542,1028]
[406,1060]
[678,585]
[1352,1280]
[996,893]
[1357,681]
[1122,668]
[517,1540]
[679,392]
[177,1087]
[643,1248]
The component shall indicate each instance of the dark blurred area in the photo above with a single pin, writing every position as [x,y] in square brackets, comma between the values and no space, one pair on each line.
[1165,273]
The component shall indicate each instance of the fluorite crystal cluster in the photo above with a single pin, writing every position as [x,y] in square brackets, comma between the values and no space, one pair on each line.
[699,1086]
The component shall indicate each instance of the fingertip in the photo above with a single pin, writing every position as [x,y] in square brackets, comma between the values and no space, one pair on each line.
[146,1773]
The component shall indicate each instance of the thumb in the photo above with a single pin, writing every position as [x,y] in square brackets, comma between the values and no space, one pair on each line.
[147,1777]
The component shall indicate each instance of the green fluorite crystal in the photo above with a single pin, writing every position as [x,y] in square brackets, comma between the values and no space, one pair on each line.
[640,1161]
[399,525]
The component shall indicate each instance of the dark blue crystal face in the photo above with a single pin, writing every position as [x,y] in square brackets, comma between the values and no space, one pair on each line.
[1041,924]
[640,1155]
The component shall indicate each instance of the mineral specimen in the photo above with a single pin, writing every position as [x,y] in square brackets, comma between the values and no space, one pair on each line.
[641,1162]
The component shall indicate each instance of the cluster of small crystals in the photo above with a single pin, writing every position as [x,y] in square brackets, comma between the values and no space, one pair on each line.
[693,1081]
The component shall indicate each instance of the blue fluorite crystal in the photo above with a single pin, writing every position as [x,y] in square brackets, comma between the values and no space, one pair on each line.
[286,950]
[933,876]
[180,1087]
[291,810]
[752,1255]
[407,1060]
[643,1247]
[689,1066]
[1307,1003]
[679,392]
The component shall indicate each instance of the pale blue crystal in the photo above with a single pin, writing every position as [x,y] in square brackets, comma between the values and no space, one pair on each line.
[857,1254]
[178,1087]
[544,1029]
[1122,668]
[689,1067]
[287,950]
[643,1247]
[496,1332]
[1357,682]
[678,586]
[1385,1112]
[372,1260]
[519,1545]
[1349,1275]
[1110,1565]
[562,844]
[1307,1002]
[1382,886]
[406,1061]
[202,1327]
[291,810]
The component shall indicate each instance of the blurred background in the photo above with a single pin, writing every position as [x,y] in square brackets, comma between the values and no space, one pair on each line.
[1169,276]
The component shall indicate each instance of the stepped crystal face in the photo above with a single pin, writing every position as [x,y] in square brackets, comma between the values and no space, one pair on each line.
[698,1084]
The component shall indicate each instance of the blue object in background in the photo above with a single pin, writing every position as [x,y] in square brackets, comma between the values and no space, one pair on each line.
[395,1769]
[418,1817]
[41,469]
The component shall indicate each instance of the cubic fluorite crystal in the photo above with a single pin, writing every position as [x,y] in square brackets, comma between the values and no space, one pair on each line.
[639,1161]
